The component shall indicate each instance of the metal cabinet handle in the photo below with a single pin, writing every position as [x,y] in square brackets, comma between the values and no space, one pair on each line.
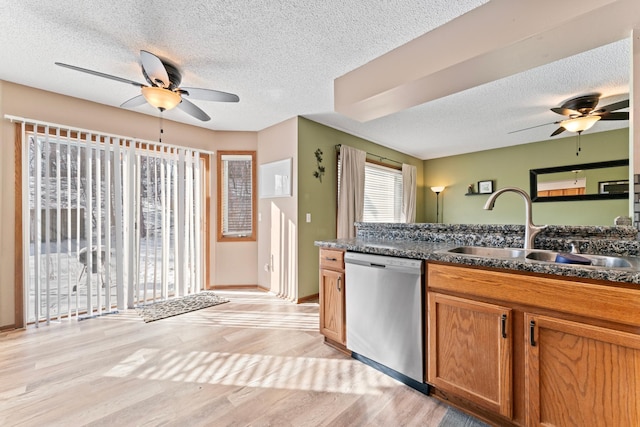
[330,259]
[503,323]
[532,329]
[338,283]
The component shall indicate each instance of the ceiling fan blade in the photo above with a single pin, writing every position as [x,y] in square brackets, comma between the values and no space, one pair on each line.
[154,69]
[136,101]
[99,74]
[558,131]
[621,115]
[533,127]
[209,94]
[613,107]
[193,110]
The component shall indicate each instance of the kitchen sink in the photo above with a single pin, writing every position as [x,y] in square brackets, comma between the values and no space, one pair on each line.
[488,252]
[596,260]
[602,261]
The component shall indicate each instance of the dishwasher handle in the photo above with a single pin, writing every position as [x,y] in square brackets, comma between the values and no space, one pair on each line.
[388,267]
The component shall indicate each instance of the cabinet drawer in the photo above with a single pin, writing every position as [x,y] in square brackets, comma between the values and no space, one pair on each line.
[332,259]
[600,301]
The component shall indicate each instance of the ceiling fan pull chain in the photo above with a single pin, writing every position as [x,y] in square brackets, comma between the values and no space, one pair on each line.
[161,129]
[578,148]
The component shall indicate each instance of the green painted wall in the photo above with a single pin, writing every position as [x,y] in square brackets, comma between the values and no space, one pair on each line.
[506,166]
[509,167]
[319,198]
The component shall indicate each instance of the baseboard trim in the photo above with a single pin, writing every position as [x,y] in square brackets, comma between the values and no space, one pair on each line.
[8,327]
[314,297]
[238,287]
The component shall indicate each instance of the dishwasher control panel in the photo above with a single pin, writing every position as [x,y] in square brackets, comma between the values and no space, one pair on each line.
[382,261]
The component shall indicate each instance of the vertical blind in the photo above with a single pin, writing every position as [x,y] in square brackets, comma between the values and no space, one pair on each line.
[108,221]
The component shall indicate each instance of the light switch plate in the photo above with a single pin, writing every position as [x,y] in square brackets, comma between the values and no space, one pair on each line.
[308,217]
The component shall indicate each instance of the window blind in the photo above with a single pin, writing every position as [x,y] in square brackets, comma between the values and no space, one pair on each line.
[382,193]
[237,201]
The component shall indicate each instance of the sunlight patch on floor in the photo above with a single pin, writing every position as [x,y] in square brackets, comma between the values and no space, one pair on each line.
[257,320]
[254,370]
[248,318]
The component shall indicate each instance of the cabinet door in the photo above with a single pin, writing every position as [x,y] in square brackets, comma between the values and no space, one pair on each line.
[332,305]
[469,355]
[579,375]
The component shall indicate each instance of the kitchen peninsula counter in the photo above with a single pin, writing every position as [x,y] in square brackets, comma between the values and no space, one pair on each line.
[431,242]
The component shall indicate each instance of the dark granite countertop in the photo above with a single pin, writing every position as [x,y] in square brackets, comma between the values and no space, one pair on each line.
[438,251]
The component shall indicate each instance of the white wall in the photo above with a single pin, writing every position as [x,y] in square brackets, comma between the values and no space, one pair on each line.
[235,262]
[231,263]
[278,225]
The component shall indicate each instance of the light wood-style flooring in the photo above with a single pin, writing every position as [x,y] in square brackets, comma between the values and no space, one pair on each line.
[256,360]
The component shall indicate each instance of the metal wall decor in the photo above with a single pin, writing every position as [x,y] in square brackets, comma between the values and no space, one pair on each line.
[320,171]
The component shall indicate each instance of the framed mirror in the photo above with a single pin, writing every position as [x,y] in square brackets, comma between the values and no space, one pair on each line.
[587,181]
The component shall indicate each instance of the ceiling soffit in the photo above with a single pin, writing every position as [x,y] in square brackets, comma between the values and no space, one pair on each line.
[496,40]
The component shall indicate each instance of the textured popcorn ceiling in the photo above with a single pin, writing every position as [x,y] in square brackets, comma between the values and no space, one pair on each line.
[281,58]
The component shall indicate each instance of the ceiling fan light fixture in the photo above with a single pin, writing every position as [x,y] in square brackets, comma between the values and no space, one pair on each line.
[162,99]
[579,124]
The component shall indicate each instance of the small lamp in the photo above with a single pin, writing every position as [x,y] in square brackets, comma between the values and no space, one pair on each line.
[579,124]
[162,99]
[437,190]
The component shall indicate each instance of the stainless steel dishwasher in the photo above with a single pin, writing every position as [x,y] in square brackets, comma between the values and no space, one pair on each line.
[384,313]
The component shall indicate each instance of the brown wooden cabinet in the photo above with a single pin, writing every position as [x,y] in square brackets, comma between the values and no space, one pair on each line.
[574,354]
[470,351]
[578,374]
[332,285]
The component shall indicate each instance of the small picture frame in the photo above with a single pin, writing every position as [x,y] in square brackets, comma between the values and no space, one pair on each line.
[485,187]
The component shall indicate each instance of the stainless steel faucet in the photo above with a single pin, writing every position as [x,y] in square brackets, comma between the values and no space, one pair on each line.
[531,230]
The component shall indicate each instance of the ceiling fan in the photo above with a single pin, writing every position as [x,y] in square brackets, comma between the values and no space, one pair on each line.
[163,90]
[582,113]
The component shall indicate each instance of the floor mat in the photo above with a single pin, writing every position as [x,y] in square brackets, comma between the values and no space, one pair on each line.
[179,305]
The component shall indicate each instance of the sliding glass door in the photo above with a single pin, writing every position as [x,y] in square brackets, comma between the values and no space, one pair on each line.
[107,222]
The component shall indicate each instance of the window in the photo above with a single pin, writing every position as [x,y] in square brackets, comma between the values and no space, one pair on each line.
[382,193]
[236,195]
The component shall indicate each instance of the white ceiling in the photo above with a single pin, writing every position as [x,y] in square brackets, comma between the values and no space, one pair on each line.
[281,58]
